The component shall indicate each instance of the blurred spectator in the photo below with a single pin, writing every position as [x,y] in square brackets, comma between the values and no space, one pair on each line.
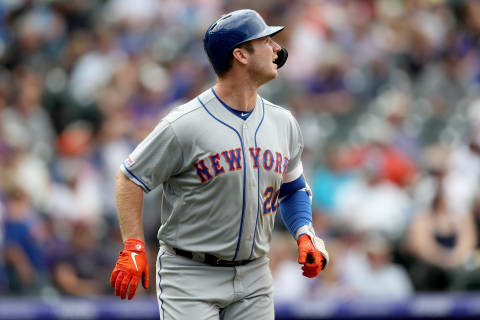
[27,120]
[380,154]
[373,203]
[77,195]
[332,286]
[467,277]
[94,69]
[3,275]
[35,36]
[288,282]
[114,145]
[137,17]
[440,241]
[24,235]
[26,170]
[151,98]
[463,173]
[328,180]
[83,268]
[395,107]
[326,90]
[368,271]
[3,104]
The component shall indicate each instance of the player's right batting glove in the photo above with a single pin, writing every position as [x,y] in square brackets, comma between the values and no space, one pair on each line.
[130,267]
[311,252]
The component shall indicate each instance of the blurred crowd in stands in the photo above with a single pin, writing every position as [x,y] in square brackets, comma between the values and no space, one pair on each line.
[387,93]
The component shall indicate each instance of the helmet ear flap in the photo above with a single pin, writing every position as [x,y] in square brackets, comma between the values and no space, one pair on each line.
[282,56]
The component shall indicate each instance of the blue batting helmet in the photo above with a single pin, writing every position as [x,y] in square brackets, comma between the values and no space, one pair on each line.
[232,30]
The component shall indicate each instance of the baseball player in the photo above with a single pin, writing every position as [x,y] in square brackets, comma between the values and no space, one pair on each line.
[228,161]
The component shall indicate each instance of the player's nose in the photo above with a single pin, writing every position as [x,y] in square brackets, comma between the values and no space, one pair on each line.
[276,47]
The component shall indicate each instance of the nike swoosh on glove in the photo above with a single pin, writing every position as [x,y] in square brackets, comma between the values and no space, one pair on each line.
[130,267]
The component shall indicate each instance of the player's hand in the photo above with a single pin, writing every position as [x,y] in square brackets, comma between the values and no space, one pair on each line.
[130,267]
[312,254]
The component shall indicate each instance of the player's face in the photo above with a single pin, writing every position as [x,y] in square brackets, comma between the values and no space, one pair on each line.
[261,65]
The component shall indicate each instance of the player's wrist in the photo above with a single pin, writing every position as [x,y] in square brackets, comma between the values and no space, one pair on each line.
[132,244]
[305,230]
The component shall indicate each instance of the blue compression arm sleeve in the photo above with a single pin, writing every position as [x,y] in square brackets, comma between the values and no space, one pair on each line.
[295,209]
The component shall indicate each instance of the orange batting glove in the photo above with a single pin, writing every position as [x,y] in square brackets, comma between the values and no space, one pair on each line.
[312,254]
[131,265]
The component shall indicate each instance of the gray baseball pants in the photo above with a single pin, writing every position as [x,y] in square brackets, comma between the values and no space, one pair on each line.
[187,289]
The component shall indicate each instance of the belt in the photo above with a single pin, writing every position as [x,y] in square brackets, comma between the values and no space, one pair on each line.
[210,259]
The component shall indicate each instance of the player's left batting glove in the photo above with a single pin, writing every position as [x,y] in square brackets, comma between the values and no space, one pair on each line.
[130,267]
[311,252]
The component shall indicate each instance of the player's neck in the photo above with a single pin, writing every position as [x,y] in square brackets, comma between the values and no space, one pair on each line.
[237,95]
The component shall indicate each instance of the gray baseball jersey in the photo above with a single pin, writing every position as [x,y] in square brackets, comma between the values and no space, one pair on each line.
[221,174]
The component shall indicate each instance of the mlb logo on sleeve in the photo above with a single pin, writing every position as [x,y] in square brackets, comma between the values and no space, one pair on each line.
[129,161]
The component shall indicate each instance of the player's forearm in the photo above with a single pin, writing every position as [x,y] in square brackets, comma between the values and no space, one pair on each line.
[129,202]
[296,211]
[295,205]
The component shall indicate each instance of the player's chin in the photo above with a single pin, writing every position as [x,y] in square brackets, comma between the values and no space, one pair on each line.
[268,73]
[274,74]
[270,76]
[274,71]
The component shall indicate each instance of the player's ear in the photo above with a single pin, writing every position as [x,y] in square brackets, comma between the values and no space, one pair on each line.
[241,55]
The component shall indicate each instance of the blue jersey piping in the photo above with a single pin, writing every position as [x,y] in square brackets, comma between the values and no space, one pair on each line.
[160,285]
[137,178]
[258,184]
[244,175]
